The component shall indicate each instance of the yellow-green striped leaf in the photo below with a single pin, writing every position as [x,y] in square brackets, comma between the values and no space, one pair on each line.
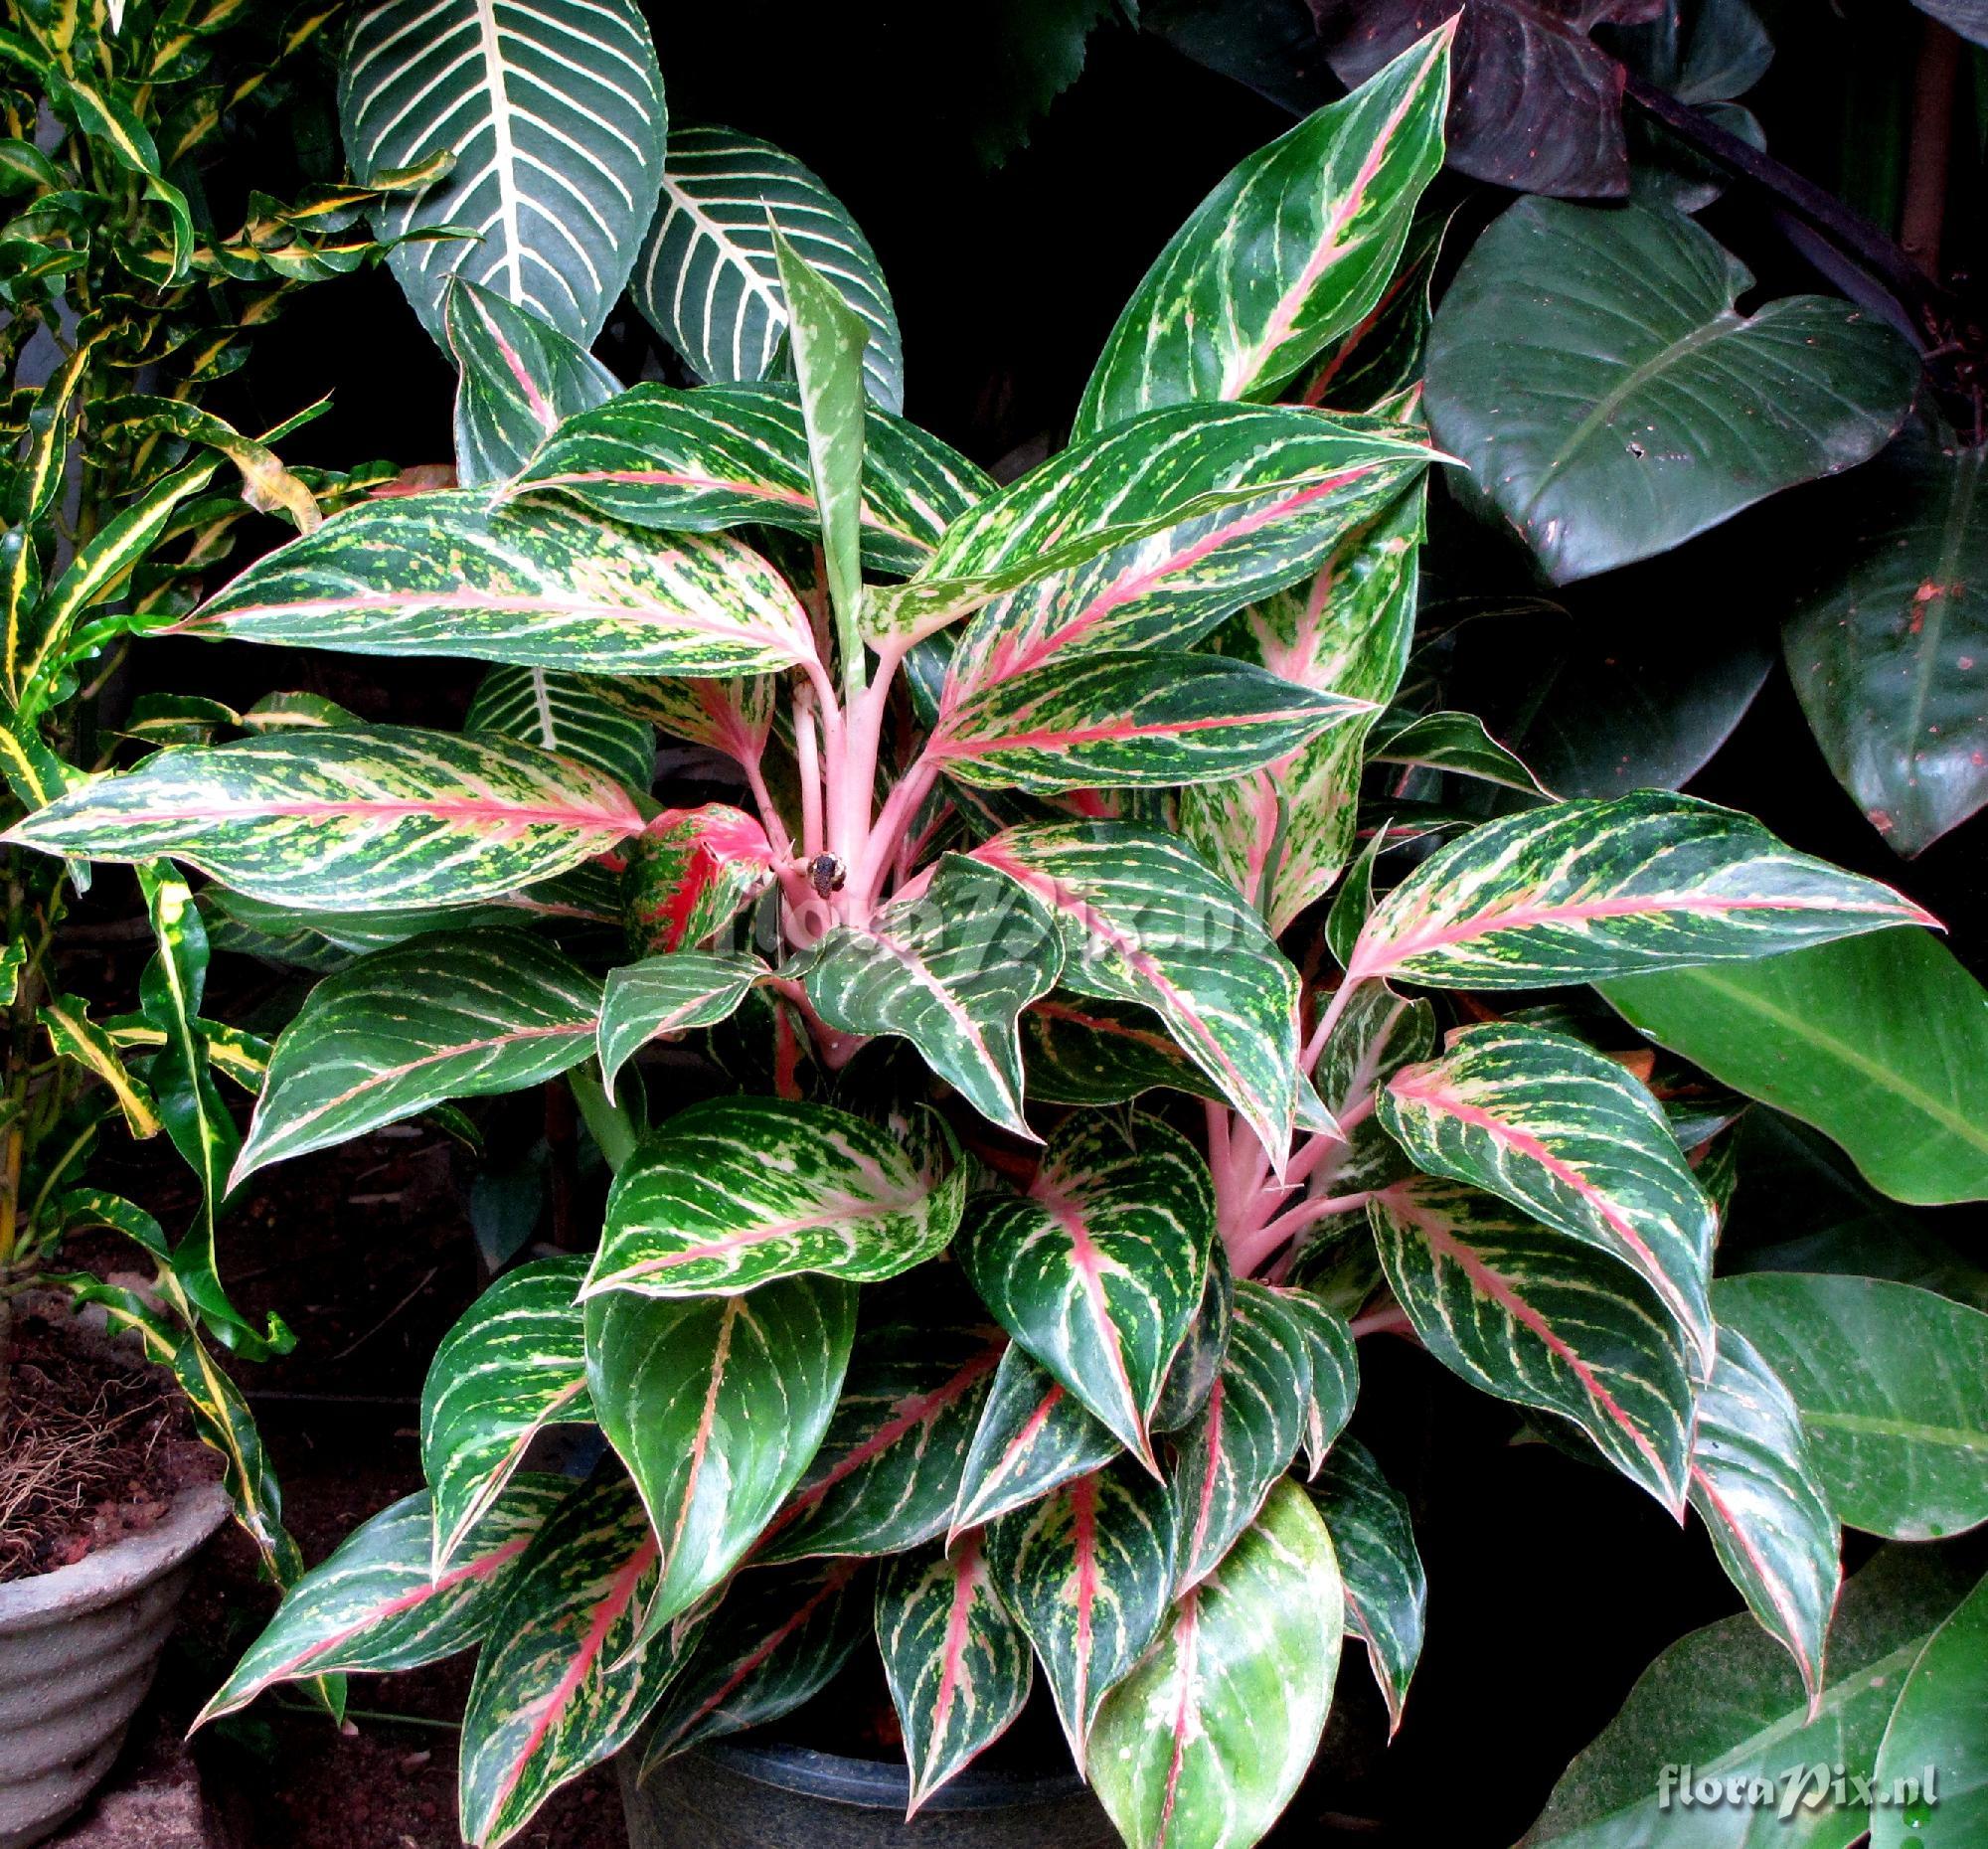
[72,1035]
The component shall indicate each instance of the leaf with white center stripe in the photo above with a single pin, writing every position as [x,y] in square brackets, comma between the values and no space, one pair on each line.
[333,820]
[958,1666]
[725,455]
[559,1683]
[706,278]
[1145,920]
[1087,1573]
[517,378]
[1204,1743]
[1151,532]
[1289,251]
[1377,1033]
[376,1605]
[951,969]
[716,1405]
[1099,1269]
[665,995]
[1569,1136]
[1581,890]
[739,1190]
[690,871]
[1196,1363]
[554,111]
[453,1014]
[535,584]
[514,1363]
[1033,1435]
[1528,1315]
[1754,1485]
[566,714]
[1387,1591]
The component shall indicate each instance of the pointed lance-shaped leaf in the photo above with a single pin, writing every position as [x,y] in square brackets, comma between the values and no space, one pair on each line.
[1191,1374]
[1387,1591]
[731,717]
[690,871]
[512,1363]
[388,817]
[1079,1050]
[1530,1316]
[957,1665]
[1032,1437]
[518,378]
[739,1190]
[1585,890]
[1458,743]
[665,995]
[1099,1269]
[1570,1137]
[1332,1380]
[1377,1033]
[568,713]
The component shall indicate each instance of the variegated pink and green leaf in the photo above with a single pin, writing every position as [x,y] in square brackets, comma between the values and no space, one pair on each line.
[690,871]
[1206,1741]
[446,1015]
[735,1191]
[1099,1269]
[1534,1317]
[717,1405]
[1083,1050]
[1191,1372]
[1379,363]
[1032,1437]
[1569,1137]
[1377,1033]
[1332,1378]
[568,713]
[1458,743]
[385,818]
[1087,1573]
[668,994]
[957,1665]
[1387,1591]
[512,1363]
[733,716]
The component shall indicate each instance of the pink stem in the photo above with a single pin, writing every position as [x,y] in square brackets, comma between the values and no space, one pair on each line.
[1393,1320]
[893,822]
[1322,1033]
[771,818]
[1249,1250]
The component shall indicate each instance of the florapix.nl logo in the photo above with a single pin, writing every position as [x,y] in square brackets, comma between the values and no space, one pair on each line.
[1810,1787]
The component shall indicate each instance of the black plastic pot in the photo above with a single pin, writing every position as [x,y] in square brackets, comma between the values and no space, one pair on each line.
[769,1797]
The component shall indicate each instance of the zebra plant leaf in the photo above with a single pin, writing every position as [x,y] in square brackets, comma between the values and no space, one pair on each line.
[1755,1486]
[518,378]
[715,1405]
[379,817]
[1293,249]
[1087,1573]
[1032,1437]
[957,1665]
[569,715]
[706,278]
[1581,890]
[1206,1741]
[514,1363]
[453,1014]
[1568,1135]
[667,994]
[1145,920]
[739,1190]
[535,584]
[555,115]
[1387,1591]
[952,971]
[1234,500]
[1526,1314]
[376,1605]
[1099,1269]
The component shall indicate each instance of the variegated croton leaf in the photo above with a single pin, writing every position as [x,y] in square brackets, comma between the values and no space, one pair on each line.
[690,871]
[1032,1437]
[668,994]
[1387,1591]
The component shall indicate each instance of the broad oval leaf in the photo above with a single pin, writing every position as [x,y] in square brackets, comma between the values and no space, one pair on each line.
[1589,367]
[567,714]
[715,1405]
[1938,1725]
[738,1190]
[1032,1437]
[1204,1743]
[1099,1269]
[1581,890]
[1290,250]
[447,1015]
[666,995]
[553,112]
[383,817]
[1387,1591]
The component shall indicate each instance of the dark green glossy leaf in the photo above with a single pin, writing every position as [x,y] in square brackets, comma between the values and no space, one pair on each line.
[1032,1437]
[1935,1737]
[1387,1591]
[518,377]
[667,994]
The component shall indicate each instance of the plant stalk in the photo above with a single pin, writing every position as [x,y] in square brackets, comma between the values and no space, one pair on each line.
[1925,212]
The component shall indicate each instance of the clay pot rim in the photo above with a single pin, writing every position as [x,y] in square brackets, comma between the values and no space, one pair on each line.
[884,1785]
[127,1566]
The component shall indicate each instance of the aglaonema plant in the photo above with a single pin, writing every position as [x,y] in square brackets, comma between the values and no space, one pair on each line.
[1073,969]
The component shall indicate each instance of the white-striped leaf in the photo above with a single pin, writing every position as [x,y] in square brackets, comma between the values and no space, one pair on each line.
[1204,1743]
[1581,890]
[957,1665]
[739,1190]
[1032,1437]
[1088,1572]
[1458,743]
[1530,1316]
[1290,250]
[383,817]
[378,1603]
[1387,1591]
[667,994]
[731,717]
[569,715]
[1099,1269]
[1570,1137]
[518,378]
[554,111]
[705,278]
[1079,1050]
[1376,1035]
[513,1363]
[452,1013]
[1191,1374]
[535,584]
[951,969]
[1332,1378]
